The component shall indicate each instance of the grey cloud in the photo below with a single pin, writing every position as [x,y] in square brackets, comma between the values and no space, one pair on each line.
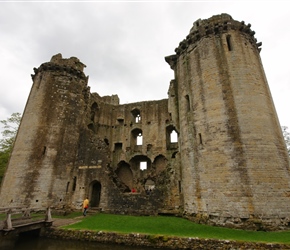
[122,44]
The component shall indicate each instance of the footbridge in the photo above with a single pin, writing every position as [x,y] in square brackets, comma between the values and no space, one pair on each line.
[19,220]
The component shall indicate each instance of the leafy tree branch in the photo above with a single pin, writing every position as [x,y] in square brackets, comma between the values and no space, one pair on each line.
[286,136]
[10,126]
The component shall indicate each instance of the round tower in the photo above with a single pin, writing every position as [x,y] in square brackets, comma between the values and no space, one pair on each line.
[234,161]
[41,165]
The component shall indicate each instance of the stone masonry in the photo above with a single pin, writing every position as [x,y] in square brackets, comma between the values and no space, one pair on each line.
[229,165]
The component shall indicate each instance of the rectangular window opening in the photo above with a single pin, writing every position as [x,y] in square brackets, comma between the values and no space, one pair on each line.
[67,186]
[74,184]
[118,146]
[179,186]
[173,137]
[139,140]
[138,118]
[143,165]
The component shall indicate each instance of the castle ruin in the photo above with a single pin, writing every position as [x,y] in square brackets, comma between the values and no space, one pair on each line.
[228,164]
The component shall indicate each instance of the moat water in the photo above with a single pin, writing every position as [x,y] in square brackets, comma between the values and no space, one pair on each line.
[36,243]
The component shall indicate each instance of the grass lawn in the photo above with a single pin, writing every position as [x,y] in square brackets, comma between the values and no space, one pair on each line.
[173,226]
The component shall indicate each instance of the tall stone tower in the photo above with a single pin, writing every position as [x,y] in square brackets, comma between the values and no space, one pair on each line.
[46,145]
[233,157]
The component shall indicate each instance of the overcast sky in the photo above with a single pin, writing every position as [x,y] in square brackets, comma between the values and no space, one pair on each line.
[123,44]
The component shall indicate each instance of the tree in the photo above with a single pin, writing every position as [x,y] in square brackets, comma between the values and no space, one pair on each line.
[10,127]
[286,136]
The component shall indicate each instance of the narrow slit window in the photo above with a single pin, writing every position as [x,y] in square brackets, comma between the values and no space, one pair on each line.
[74,184]
[187,103]
[136,115]
[200,138]
[67,186]
[229,43]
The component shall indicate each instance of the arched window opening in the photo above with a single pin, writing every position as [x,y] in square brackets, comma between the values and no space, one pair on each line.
[136,138]
[125,174]
[173,137]
[95,194]
[138,118]
[136,115]
[140,162]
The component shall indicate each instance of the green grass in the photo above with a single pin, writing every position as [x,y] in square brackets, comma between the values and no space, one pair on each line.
[173,226]
[69,216]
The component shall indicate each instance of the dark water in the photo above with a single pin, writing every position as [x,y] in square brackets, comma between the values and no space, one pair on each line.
[35,243]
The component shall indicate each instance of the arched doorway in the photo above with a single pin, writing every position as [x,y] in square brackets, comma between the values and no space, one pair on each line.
[96,194]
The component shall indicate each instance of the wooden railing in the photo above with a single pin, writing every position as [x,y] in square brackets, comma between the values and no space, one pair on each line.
[24,219]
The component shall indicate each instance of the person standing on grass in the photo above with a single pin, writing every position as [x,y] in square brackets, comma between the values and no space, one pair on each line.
[85,206]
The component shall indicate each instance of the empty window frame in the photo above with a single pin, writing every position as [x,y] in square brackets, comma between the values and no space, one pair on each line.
[74,184]
[137,118]
[173,136]
[143,165]
[136,137]
[136,115]
[139,139]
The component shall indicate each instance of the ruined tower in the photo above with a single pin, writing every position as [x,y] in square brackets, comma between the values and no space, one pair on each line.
[233,157]
[45,149]
[228,166]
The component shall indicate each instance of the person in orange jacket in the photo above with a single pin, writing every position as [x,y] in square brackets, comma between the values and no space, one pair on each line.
[85,206]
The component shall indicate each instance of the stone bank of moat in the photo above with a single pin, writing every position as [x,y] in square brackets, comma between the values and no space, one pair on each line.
[155,241]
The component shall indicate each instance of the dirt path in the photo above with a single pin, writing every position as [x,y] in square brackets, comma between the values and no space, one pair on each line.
[63,222]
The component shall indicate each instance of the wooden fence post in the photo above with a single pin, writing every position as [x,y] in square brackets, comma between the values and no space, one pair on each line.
[8,222]
[48,215]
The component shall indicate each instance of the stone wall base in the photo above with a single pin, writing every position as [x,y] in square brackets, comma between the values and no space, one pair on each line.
[156,241]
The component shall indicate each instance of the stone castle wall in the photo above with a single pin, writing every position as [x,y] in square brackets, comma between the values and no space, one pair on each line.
[229,166]
[155,241]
